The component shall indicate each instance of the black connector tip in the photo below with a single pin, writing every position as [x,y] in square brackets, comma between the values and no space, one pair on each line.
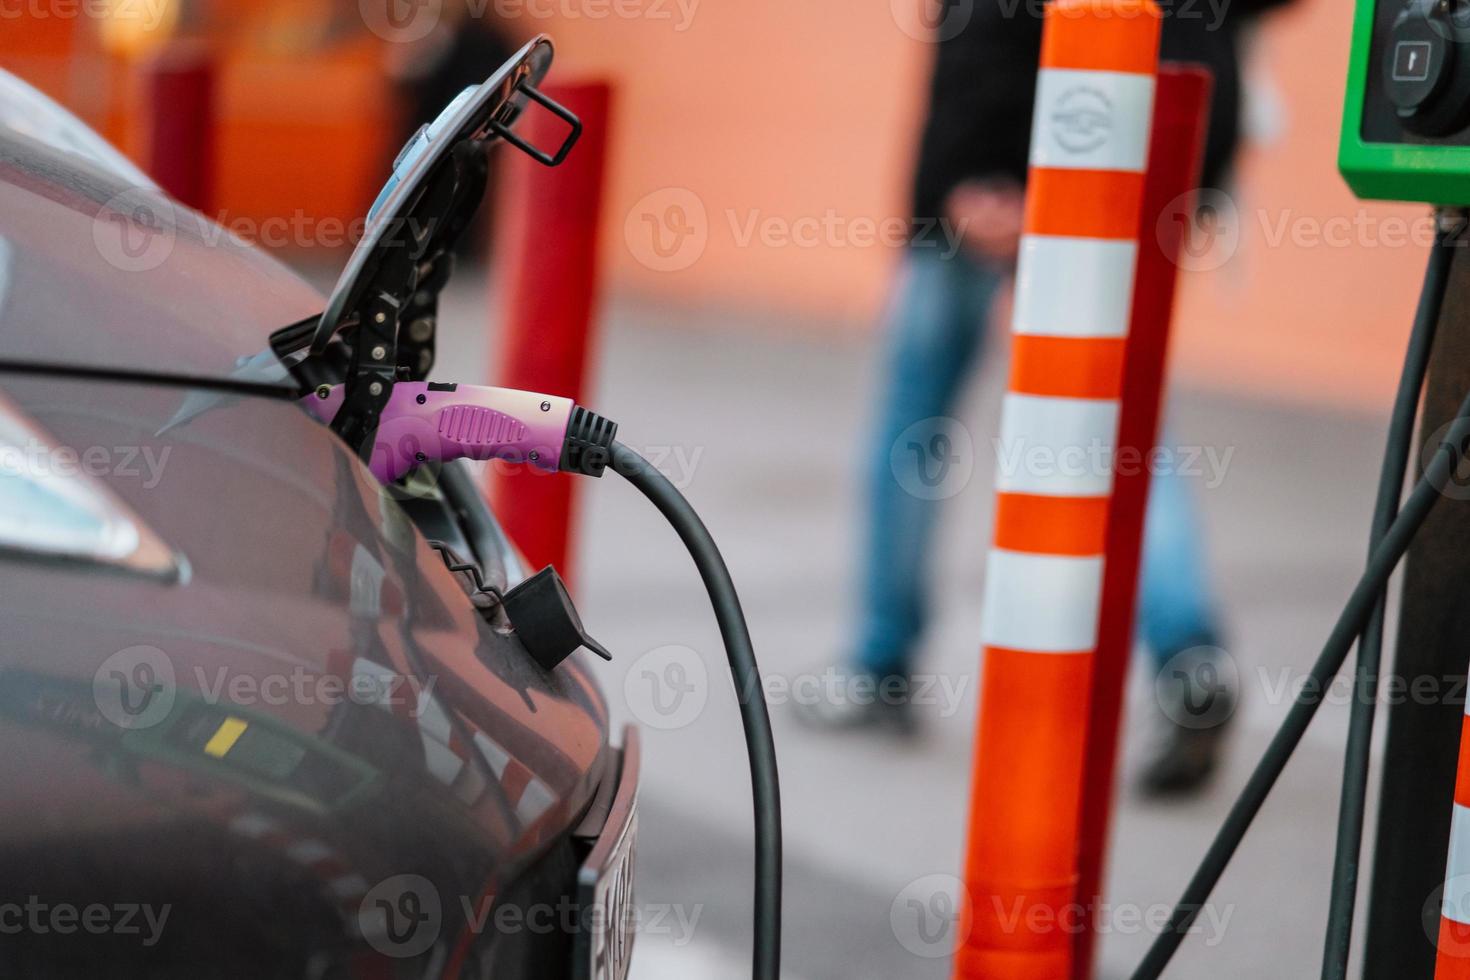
[588,445]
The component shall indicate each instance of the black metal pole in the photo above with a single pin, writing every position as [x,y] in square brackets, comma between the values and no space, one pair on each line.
[1425,692]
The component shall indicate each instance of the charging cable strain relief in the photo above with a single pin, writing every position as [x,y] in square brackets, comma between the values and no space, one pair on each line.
[587,448]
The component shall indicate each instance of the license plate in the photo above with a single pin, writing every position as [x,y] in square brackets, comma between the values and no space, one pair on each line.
[605,882]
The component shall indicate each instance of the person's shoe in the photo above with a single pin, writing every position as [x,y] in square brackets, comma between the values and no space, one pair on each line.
[1197,692]
[856,700]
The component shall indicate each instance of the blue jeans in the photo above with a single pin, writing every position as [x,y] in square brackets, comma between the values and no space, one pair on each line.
[936,331]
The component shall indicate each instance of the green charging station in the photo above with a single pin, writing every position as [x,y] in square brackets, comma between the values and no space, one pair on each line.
[1406,122]
[1406,137]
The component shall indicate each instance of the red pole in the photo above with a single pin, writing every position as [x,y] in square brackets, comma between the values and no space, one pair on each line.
[547,244]
[178,122]
[1176,149]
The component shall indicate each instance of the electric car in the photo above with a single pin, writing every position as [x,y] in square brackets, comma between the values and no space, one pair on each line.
[260,716]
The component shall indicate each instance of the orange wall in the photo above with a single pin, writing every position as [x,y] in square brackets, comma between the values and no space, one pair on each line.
[785,110]
[761,111]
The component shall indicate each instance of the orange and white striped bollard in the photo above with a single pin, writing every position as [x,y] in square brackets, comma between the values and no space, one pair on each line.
[1452,957]
[1044,577]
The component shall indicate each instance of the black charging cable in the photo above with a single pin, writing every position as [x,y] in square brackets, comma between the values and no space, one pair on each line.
[1352,806]
[1350,623]
[765,785]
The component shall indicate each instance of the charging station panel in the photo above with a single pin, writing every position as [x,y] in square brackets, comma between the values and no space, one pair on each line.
[1406,120]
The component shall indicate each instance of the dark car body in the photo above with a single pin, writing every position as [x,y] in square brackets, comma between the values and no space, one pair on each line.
[309,742]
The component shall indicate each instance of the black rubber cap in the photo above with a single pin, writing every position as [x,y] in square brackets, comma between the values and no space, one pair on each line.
[544,618]
[588,446]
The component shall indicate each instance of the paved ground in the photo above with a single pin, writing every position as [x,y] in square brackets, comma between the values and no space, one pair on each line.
[762,420]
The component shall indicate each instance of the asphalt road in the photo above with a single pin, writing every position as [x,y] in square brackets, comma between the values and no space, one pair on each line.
[763,420]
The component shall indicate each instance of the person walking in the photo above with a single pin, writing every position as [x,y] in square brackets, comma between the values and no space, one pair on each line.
[969,192]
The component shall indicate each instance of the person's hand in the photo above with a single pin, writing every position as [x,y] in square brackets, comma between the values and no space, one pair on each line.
[987,217]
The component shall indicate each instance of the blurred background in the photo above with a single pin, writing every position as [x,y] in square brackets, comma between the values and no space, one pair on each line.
[754,148]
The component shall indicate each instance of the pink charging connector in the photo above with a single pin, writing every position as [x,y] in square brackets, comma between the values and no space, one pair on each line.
[427,422]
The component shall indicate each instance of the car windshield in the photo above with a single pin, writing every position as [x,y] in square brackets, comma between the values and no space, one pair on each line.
[99,272]
[27,111]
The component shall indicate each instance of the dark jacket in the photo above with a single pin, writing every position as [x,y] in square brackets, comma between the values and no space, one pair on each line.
[984,84]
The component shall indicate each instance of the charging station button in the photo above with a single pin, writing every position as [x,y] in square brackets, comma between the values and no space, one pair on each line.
[1418,56]
[1411,61]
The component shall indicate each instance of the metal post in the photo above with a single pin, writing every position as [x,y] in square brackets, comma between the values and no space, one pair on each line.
[1422,748]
